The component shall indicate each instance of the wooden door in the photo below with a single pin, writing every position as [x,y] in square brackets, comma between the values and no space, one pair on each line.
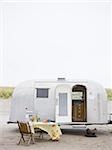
[77,111]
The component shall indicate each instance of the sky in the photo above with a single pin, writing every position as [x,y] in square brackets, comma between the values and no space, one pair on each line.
[47,40]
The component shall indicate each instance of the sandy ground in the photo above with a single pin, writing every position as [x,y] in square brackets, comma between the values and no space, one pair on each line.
[71,138]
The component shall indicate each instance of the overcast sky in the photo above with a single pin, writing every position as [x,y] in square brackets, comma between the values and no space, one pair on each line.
[45,40]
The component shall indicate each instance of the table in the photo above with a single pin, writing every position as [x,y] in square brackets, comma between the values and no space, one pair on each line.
[50,127]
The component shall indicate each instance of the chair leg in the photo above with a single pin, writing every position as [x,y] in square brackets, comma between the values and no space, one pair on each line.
[19,142]
[41,135]
[22,138]
[31,138]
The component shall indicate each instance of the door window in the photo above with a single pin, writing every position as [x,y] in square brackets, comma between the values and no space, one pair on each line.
[63,104]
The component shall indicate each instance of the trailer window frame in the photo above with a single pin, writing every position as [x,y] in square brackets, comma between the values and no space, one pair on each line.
[42,92]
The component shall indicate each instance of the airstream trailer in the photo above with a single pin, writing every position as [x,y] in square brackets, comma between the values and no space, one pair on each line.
[62,101]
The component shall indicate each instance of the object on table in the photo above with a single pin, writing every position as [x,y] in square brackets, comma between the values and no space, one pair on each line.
[34,118]
[48,120]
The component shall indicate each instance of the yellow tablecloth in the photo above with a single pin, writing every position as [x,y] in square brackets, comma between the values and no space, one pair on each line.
[50,127]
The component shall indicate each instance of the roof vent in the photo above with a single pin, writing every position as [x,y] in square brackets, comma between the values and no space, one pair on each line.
[61,79]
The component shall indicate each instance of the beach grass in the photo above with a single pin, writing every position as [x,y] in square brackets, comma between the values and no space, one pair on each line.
[109,94]
[6,92]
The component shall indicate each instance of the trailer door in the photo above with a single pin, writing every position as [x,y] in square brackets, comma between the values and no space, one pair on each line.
[63,104]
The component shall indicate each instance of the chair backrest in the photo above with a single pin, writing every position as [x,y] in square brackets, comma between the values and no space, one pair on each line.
[24,127]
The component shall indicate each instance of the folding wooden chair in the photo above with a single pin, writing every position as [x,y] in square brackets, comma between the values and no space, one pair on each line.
[25,129]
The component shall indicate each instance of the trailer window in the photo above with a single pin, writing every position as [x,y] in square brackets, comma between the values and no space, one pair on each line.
[42,93]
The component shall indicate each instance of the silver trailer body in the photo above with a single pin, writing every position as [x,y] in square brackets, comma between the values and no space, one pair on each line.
[62,101]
